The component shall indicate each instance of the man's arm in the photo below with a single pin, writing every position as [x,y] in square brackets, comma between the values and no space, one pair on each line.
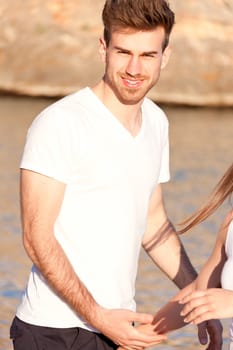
[41,201]
[165,248]
[163,245]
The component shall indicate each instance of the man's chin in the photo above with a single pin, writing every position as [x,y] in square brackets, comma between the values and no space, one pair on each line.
[131,97]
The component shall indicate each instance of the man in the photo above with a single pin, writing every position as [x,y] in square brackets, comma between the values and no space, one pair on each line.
[91,195]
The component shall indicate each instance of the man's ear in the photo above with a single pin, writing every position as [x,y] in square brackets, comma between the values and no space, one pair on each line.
[166,56]
[102,49]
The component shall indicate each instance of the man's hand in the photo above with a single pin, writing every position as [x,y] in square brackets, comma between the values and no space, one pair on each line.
[118,326]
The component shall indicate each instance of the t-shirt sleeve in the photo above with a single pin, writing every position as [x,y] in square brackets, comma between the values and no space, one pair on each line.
[164,175]
[48,149]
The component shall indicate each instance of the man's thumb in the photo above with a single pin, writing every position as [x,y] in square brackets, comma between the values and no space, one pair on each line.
[143,318]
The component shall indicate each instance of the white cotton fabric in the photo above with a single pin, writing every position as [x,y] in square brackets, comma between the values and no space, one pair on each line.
[109,177]
[227,272]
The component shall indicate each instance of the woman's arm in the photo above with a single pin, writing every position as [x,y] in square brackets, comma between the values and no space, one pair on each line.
[170,316]
[211,303]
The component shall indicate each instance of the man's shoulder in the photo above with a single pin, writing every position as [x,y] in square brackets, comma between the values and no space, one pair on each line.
[153,111]
[66,108]
[70,102]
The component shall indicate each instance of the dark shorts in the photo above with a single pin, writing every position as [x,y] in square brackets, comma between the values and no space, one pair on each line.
[29,337]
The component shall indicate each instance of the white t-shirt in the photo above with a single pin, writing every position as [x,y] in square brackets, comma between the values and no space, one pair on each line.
[227,271]
[109,177]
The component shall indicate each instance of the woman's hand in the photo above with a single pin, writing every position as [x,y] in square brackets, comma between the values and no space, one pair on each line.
[213,303]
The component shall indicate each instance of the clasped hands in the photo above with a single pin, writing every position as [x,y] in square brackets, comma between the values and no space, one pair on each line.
[151,330]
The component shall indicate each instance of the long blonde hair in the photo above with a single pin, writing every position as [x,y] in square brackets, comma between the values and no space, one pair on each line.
[223,189]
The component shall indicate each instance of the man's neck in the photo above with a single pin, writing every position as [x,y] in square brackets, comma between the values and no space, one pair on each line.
[130,116]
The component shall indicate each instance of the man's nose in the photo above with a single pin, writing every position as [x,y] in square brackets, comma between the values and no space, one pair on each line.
[134,66]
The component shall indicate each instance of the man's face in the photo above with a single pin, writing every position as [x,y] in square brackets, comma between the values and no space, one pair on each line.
[133,61]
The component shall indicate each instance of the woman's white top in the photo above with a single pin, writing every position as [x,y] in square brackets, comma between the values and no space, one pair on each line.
[227,272]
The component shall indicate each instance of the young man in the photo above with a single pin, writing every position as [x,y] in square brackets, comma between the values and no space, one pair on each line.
[91,195]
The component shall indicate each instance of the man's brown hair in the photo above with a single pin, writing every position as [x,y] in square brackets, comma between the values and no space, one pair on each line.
[137,15]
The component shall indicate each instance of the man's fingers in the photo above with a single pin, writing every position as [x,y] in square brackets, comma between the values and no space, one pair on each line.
[145,343]
[142,318]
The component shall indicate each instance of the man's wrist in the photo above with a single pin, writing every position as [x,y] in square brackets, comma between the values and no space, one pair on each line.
[96,317]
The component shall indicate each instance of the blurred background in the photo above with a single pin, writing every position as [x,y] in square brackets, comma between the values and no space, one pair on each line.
[49,49]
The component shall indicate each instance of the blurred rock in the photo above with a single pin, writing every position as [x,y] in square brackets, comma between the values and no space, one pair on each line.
[50,48]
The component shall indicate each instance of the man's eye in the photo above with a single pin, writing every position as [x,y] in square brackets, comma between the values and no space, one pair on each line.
[123,52]
[150,55]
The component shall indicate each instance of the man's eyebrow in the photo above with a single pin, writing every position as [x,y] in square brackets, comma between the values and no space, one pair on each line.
[121,49]
[154,52]
[150,53]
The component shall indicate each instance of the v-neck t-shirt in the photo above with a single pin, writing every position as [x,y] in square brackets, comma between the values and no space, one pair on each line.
[109,176]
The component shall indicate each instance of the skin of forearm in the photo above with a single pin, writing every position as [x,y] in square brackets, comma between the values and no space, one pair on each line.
[210,274]
[52,262]
[164,242]
[38,216]
[186,273]
[56,269]
[205,281]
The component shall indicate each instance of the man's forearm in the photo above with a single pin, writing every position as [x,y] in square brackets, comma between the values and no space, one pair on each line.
[168,253]
[186,273]
[55,267]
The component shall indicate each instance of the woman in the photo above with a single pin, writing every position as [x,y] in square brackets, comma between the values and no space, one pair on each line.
[212,297]
[203,299]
